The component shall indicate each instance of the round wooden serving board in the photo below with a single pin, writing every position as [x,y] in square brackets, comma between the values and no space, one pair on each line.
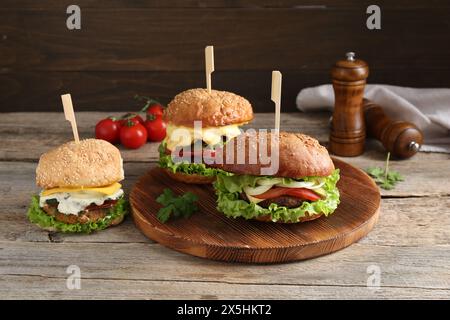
[210,234]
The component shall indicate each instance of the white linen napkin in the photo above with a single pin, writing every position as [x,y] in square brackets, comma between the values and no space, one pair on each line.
[428,109]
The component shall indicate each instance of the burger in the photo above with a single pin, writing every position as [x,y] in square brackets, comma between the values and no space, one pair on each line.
[80,188]
[198,122]
[301,186]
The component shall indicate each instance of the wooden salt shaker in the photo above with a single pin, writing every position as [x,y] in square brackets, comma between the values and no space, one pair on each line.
[348,131]
[403,139]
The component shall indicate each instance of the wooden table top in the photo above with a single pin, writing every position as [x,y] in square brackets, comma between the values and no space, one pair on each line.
[409,247]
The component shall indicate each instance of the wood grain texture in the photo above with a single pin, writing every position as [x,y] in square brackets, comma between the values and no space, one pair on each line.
[348,129]
[219,4]
[124,40]
[115,53]
[35,134]
[399,208]
[209,234]
[410,247]
[112,91]
[396,136]
[107,91]
[406,271]
[422,266]
[38,287]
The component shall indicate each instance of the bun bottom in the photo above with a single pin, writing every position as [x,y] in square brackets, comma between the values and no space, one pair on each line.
[267,218]
[190,178]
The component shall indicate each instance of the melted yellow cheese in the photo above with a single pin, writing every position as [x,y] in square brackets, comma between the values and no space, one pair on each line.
[108,190]
[179,136]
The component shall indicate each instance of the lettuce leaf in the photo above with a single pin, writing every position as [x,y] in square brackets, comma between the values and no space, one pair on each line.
[229,187]
[38,216]
[166,161]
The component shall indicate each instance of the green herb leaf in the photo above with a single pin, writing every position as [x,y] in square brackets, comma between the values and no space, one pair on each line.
[166,197]
[164,213]
[375,171]
[182,206]
[383,177]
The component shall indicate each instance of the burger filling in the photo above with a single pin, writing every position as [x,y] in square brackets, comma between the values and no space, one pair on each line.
[283,199]
[90,213]
[185,146]
[78,209]
[180,136]
[78,202]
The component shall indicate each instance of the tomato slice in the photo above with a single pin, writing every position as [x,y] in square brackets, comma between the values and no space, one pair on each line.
[301,193]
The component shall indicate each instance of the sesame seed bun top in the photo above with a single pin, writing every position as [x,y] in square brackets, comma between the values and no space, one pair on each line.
[215,108]
[299,155]
[89,163]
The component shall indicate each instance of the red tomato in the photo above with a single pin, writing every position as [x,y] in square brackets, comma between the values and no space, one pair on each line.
[133,135]
[152,106]
[134,117]
[108,129]
[300,193]
[303,193]
[156,128]
[155,109]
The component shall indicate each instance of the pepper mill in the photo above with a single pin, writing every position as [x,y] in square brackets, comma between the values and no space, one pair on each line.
[402,139]
[348,131]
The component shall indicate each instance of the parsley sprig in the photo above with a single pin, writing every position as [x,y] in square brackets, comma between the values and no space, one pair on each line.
[383,177]
[182,206]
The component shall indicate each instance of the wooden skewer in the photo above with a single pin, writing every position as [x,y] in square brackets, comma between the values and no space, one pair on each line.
[276,97]
[70,115]
[209,65]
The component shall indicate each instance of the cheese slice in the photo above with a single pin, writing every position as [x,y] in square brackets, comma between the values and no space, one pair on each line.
[180,136]
[108,190]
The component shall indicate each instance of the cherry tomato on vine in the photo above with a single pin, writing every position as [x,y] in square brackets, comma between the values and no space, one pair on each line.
[156,128]
[151,106]
[134,117]
[133,135]
[155,109]
[108,129]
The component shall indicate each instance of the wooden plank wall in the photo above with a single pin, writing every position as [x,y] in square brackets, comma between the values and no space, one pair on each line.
[156,48]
